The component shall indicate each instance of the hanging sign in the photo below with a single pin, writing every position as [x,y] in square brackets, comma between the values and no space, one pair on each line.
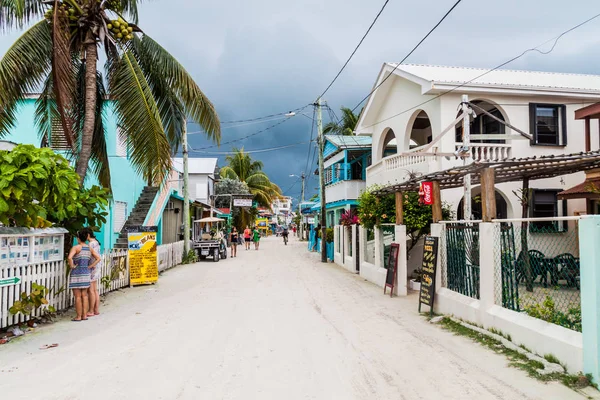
[143,260]
[429,268]
[392,269]
[427,190]
[242,203]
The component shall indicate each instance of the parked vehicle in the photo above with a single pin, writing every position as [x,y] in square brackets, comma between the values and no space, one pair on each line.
[208,239]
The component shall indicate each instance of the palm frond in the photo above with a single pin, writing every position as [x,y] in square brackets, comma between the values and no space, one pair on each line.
[19,13]
[228,173]
[46,111]
[23,70]
[159,63]
[62,72]
[139,117]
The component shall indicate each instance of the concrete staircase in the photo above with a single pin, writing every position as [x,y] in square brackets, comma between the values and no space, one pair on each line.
[138,214]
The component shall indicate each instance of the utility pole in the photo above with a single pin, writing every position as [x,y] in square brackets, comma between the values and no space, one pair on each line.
[186,193]
[321,142]
[467,148]
[301,227]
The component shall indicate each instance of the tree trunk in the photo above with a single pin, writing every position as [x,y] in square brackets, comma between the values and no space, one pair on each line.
[524,237]
[89,121]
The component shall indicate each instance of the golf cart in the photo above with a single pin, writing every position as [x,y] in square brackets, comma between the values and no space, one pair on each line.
[208,239]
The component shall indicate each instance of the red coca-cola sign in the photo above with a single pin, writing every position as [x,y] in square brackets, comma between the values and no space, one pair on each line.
[427,189]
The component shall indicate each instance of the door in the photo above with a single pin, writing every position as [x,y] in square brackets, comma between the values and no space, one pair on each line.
[120,215]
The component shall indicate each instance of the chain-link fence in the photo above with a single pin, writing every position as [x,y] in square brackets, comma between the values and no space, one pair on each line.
[537,269]
[461,242]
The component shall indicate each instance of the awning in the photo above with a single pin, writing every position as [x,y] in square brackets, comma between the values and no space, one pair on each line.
[316,207]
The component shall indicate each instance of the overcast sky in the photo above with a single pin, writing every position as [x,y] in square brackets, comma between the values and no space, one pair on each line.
[259,57]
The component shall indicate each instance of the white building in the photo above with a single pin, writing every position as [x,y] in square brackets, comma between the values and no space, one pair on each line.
[418,102]
[282,209]
[203,173]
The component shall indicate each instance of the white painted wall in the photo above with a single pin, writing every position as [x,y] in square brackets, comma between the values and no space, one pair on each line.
[344,190]
[403,94]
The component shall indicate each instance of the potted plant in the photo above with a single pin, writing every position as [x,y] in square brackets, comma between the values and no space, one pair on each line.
[415,282]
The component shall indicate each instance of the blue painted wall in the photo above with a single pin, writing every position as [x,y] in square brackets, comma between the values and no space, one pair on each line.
[126,184]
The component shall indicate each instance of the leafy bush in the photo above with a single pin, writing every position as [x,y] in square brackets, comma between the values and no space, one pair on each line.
[38,188]
[547,311]
[329,235]
[31,302]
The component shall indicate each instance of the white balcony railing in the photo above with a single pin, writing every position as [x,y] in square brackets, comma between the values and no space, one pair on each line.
[489,151]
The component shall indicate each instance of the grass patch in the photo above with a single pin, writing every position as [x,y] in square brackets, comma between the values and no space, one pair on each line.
[517,359]
[551,358]
[499,333]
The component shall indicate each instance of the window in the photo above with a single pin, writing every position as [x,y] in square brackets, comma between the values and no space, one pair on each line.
[545,204]
[121,143]
[58,141]
[548,124]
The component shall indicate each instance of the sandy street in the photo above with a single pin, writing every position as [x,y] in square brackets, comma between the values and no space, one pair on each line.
[270,324]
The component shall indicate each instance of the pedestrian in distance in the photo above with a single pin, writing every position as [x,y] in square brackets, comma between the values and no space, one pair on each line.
[256,238]
[234,239]
[81,260]
[247,237]
[93,294]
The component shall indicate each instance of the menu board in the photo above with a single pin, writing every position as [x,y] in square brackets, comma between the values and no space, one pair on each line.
[429,268]
[20,249]
[143,260]
[392,269]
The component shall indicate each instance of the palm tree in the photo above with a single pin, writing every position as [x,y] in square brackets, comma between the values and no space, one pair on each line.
[242,168]
[58,55]
[345,127]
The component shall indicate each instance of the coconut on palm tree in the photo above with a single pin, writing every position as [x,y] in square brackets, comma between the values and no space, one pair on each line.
[58,56]
[243,168]
[346,125]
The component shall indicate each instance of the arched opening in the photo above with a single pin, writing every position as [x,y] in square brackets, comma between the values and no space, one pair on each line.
[420,131]
[389,146]
[476,206]
[483,124]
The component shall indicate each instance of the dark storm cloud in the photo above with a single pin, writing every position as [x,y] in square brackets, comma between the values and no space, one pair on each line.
[260,57]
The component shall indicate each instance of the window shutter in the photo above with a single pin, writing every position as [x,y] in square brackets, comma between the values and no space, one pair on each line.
[58,141]
[563,118]
[532,122]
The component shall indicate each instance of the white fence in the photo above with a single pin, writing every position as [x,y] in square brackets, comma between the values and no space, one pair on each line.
[114,275]
[169,255]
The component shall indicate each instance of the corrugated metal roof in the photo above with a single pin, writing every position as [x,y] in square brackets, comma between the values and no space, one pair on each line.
[502,78]
[197,165]
[349,141]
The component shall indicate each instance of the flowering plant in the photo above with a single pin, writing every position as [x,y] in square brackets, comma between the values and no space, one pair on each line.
[349,218]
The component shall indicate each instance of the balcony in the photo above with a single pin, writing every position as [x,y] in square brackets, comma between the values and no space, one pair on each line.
[344,190]
[397,168]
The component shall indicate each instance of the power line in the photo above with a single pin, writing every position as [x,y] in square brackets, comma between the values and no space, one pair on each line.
[250,135]
[410,53]
[312,132]
[249,151]
[555,39]
[356,48]
[264,117]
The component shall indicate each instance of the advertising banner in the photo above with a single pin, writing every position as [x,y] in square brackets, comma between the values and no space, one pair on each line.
[143,259]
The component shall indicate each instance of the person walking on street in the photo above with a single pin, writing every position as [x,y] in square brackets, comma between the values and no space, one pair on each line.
[81,260]
[234,241]
[247,235]
[317,230]
[256,238]
[93,294]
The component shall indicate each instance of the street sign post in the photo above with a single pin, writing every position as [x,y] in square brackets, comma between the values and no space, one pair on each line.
[9,281]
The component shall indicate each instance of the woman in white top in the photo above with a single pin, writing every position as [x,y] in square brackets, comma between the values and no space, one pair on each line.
[93,293]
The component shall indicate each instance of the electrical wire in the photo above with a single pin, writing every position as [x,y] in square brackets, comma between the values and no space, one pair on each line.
[556,39]
[410,53]
[250,135]
[356,48]
[312,132]
[264,117]
[248,151]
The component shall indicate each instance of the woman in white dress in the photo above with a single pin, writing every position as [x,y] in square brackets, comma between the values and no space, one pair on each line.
[93,294]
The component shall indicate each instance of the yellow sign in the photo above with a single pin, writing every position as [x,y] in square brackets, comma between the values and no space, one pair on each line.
[143,260]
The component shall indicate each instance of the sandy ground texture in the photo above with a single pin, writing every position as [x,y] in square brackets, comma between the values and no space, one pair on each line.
[270,324]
